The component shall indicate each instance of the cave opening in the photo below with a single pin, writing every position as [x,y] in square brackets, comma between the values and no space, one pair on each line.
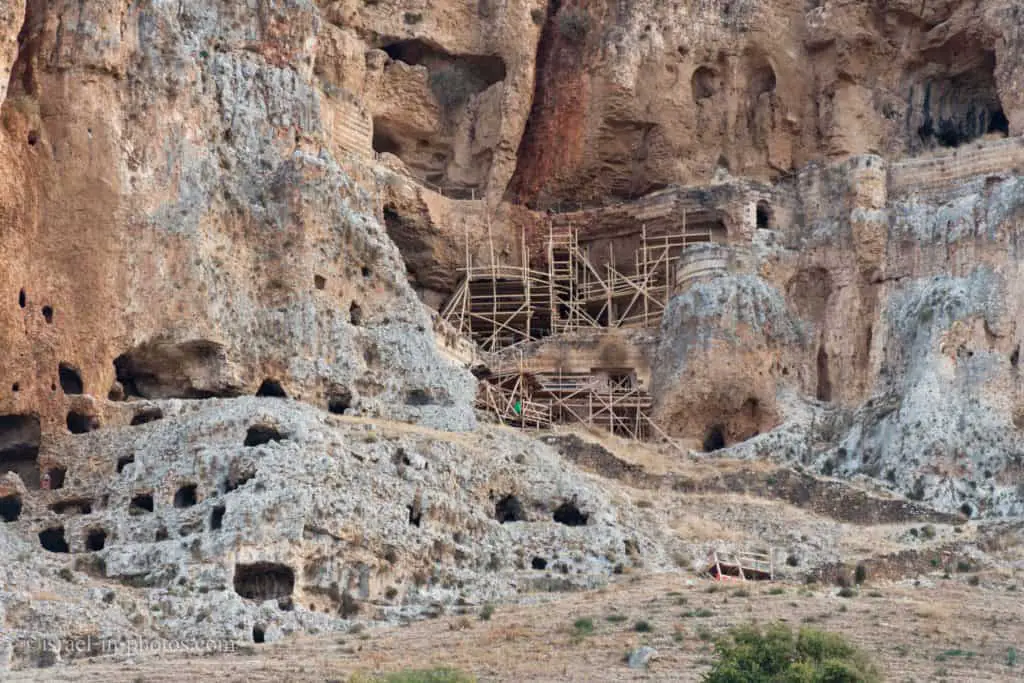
[824,390]
[570,515]
[70,379]
[415,515]
[951,109]
[95,540]
[192,369]
[714,439]
[185,496]
[56,476]
[355,314]
[140,504]
[10,508]
[339,400]
[271,388]
[763,215]
[262,581]
[704,83]
[22,299]
[383,142]
[80,506]
[80,423]
[123,461]
[147,415]
[509,509]
[539,563]
[20,436]
[53,540]
[217,517]
[258,634]
[260,434]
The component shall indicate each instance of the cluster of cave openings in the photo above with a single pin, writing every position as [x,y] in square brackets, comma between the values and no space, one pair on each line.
[20,436]
[262,581]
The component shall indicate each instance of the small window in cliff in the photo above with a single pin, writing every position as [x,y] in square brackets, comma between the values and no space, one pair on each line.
[10,508]
[147,415]
[53,540]
[22,299]
[80,423]
[140,504]
[56,476]
[95,540]
[383,143]
[48,313]
[271,388]
[568,514]
[714,440]
[33,138]
[508,509]
[355,314]
[185,497]
[19,447]
[415,515]
[704,83]
[217,517]
[539,563]
[264,581]
[258,634]
[319,281]
[824,392]
[70,379]
[764,215]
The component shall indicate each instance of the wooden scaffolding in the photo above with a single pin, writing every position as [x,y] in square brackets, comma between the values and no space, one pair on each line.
[742,565]
[523,396]
[502,305]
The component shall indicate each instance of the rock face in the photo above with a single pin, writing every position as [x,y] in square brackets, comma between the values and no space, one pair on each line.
[222,222]
[230,516]
[185,212]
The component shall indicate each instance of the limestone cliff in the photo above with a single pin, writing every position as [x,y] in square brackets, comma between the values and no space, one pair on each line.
[229,233]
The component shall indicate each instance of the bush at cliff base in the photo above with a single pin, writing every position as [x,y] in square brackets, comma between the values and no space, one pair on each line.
[750,654]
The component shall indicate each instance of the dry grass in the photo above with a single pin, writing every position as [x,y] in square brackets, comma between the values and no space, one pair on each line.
[538,643]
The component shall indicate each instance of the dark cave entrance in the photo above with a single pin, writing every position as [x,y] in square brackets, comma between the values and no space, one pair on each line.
[19,447]
[714,439]
[570,515]
[508,509]
[262,581]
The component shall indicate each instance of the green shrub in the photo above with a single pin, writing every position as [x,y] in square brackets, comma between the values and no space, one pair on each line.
[777,590]
[486,612]
[440,675]
[616,618]
[453,85]
[643,626]
[750,654]
[847,592]
[583,626]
